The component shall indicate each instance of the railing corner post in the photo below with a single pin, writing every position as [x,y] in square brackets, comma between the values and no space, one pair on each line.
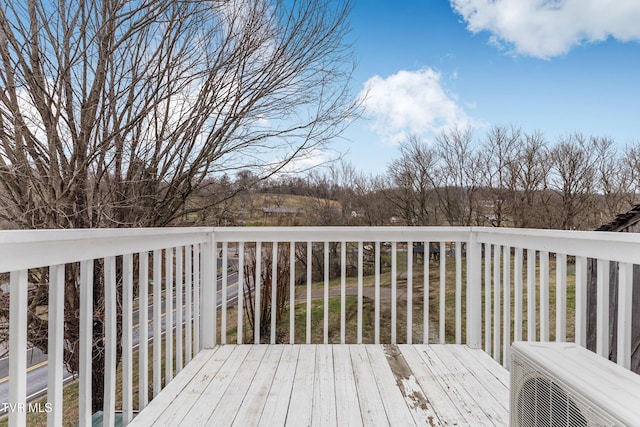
[474,294]
[208,301]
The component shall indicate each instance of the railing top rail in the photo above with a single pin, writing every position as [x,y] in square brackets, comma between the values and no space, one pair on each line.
[36,236]
[566,234]
[339,234]
[622,247]
[22,249]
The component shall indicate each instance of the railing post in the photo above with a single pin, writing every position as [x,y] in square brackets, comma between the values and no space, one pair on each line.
[442,302]
[474,292]
[179,307]
[208,292]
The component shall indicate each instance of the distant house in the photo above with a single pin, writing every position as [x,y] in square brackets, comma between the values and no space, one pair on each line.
[282,212]
[628,222]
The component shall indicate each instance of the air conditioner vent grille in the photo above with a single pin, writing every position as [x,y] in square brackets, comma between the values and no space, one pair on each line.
[542,402]
[540,399]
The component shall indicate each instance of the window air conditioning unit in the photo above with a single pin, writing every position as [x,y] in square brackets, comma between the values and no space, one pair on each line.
[563,384]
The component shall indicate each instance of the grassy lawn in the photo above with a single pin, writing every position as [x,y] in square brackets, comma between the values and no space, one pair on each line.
[418,292]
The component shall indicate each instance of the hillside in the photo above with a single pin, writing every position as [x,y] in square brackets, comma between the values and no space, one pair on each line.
[258,209]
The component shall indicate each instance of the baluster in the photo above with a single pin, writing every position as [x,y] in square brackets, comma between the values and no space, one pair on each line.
[561,297]
[458,292]
[531,295]
[343,286]
[143,331]
[394,290]
[110,327]
[55,344]
[544,296]
[127,338]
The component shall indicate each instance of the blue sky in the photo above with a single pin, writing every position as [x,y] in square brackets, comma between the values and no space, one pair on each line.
[557,66]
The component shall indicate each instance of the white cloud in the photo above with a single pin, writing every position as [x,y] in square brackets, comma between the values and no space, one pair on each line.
[547,28]
[411,102]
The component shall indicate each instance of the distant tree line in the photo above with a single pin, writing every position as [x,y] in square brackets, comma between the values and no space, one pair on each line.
[513,178]
[505,178]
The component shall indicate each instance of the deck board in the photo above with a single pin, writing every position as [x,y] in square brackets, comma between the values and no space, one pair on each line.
[471,413]
[348,412]
[344,385]
[178,389]
[209,397]
[324,394]
[394,402]
[300,405]
[485,377]
[252,406]
[371,406]
[439,400]
[492,367]
[481,396]
[229,405]
[277,403]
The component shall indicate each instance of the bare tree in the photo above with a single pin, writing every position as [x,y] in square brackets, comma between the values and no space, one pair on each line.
[413,181]
[119,109]
[500,152]
[460,171]
[613,179]
[529,174]
[573,161]
[371,203]
[114,113]
[631,161]
[325,191]
[266,282]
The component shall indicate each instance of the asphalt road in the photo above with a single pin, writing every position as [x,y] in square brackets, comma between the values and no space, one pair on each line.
[37,370]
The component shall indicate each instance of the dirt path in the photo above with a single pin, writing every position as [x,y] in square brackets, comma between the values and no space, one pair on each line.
[367,292]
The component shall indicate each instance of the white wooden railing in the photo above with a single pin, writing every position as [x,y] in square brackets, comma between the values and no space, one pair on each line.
[528,253]
[24,250]
[478,285]
[262,239]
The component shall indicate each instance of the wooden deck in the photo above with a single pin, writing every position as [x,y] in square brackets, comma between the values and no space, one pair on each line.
[325,385]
